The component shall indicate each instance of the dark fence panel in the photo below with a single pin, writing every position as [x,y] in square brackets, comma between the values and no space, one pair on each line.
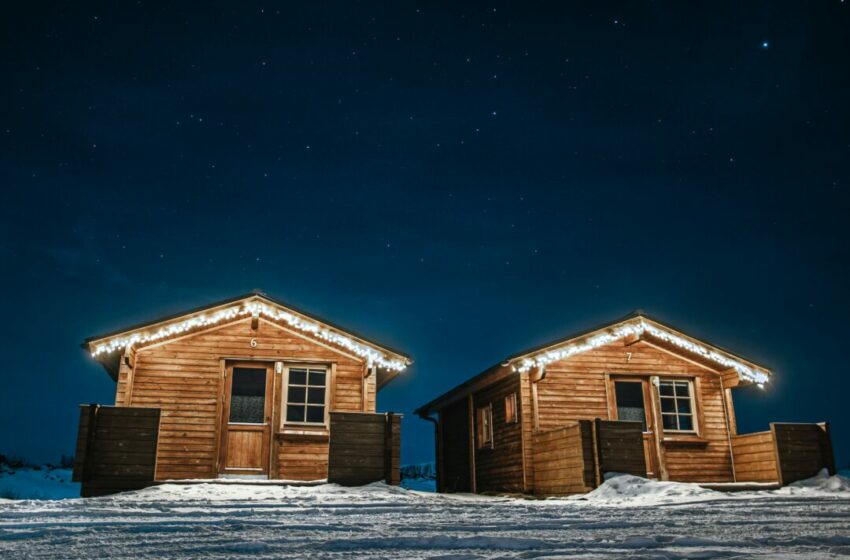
[802,450]
[619,447]
[364,447]
[116,449]
[575,458]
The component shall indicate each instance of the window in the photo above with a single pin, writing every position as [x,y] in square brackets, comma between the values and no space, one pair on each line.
[306,394]
[485,426]
[630,403]
[510,409]
[247,396]
[677,410]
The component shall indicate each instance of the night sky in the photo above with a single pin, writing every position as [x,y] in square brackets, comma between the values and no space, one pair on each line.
[459,182]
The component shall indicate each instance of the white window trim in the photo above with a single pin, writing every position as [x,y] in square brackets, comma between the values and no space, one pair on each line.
[284,397]
[691,397]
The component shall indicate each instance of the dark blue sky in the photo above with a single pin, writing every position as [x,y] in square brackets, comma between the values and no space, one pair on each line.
[458,181]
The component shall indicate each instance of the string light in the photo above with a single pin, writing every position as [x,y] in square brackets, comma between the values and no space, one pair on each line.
[637,327]
[254,308]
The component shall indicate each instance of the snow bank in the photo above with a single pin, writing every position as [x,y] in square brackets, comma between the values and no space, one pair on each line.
[44,483]
[821,483]
[625,489]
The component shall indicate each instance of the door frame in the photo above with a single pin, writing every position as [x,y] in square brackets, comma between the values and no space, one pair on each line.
[269,412]
[654,433]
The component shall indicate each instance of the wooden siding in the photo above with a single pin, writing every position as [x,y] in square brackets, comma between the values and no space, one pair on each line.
[364,448]
[802,450]
[116,449]
[561,461]
[786,453]
[575,458]
[183,377]
[576,388]
[499,468]
[619,447]
[453,467]
[755,457]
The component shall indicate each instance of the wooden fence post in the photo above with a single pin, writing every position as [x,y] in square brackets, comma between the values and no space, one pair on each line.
[597,452]
[826,448]
[392,449]
[90,445]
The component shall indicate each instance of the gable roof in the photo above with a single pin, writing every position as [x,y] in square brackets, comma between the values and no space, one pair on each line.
[637,324]
[255,303]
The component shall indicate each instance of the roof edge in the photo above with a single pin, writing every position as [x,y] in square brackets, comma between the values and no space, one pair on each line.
[254,294]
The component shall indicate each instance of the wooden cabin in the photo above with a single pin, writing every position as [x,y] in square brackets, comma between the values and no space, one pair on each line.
[244,387]
[634,395]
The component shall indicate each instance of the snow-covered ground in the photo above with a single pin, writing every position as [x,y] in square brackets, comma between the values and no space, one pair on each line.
[626,516]
[37,483]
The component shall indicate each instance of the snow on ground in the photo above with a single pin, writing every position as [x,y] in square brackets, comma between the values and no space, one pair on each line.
[626,516]
[41,483]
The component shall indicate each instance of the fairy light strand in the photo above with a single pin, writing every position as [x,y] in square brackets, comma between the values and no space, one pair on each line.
[372,356]
[637,328]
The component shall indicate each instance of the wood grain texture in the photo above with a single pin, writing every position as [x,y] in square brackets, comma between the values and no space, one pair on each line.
[455,439]
[500,468]
[364,448]
[755,457]
[575,389]
[560,462]
[116,449]
[184,376]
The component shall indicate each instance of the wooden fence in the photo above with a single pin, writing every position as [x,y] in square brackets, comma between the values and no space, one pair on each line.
[784,454]
[574,458]
[364,447]
[116,449]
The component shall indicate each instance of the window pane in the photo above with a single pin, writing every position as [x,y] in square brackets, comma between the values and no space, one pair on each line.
[685,423]
[684,406]
[315,414]
[316,395]
[248,395]
[294,413]
[296,394]
[682,389]
[668,405]
[317,377]
[666,388]
[629,396]
[669,421]
[298,377]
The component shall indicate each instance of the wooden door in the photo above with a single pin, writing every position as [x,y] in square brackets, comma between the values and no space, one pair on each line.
[247,414]
[633,402]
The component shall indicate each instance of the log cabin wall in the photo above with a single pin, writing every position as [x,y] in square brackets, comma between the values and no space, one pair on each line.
[500,467]
[453,460]
[577,388]
[183,377]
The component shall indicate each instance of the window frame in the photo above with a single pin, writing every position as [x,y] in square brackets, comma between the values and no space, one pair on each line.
[284,397]
[692,400]
[511,409]
[481,413]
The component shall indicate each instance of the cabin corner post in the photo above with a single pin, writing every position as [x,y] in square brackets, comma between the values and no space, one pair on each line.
[527,431]
[124,384]
[472,470]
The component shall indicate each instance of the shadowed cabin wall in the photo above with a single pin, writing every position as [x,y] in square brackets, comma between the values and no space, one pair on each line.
[453,465]
[183,377]
[500,468]
[576,388]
